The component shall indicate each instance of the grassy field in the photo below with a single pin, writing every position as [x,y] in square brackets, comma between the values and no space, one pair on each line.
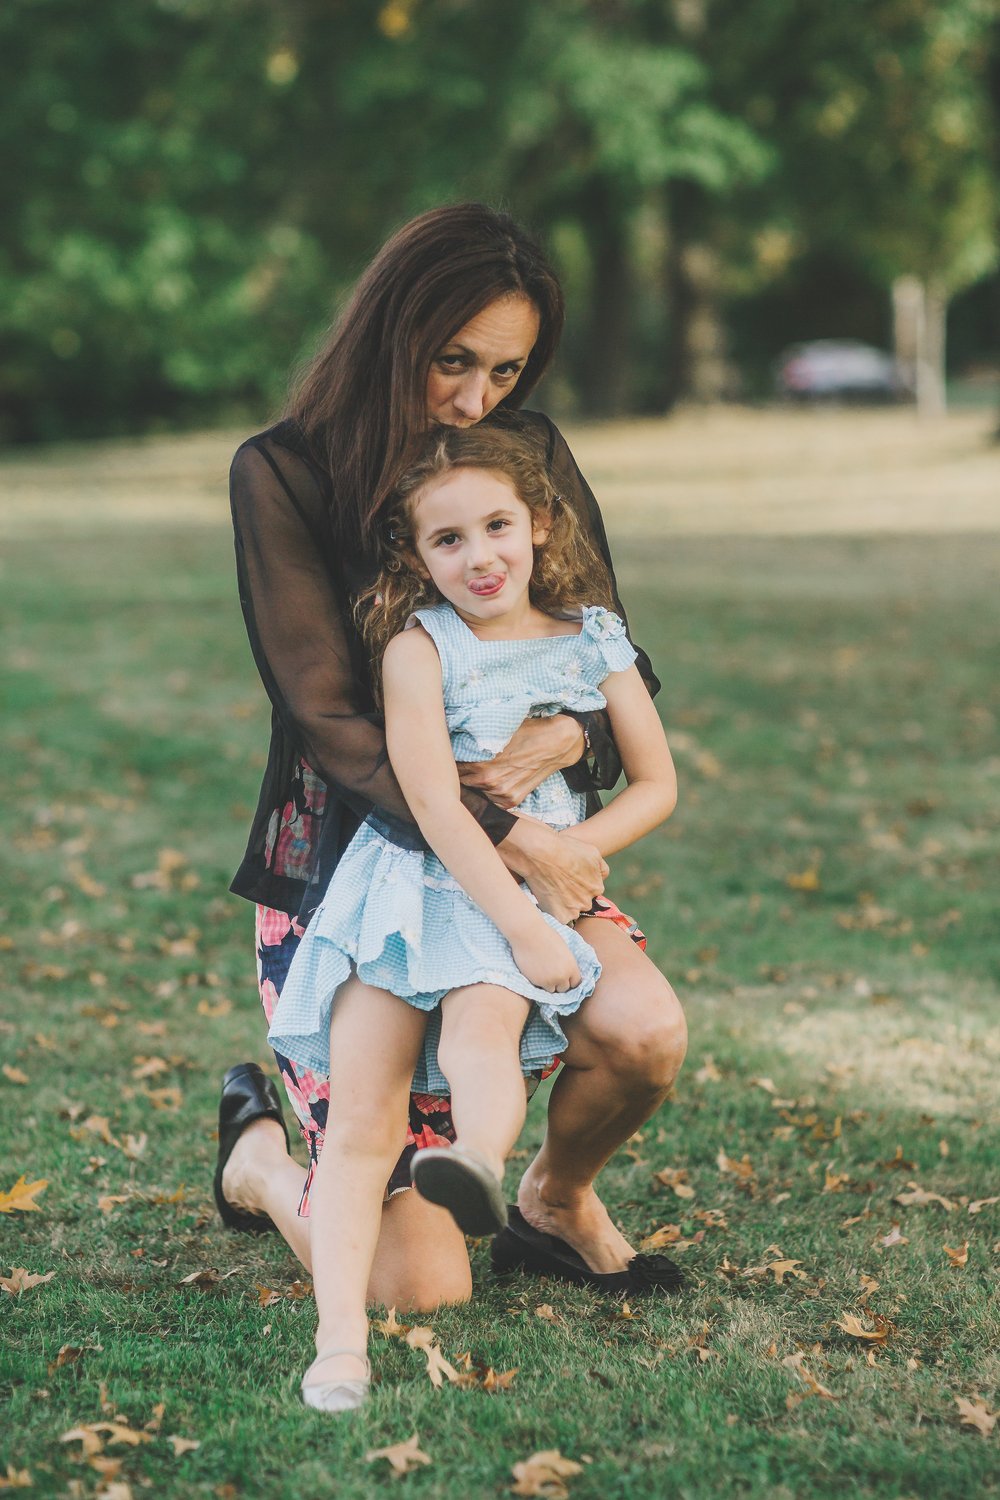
[824,900]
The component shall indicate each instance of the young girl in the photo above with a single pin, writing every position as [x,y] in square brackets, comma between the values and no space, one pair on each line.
[437,970]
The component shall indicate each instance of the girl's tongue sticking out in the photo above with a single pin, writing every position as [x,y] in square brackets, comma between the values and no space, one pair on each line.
[492,583]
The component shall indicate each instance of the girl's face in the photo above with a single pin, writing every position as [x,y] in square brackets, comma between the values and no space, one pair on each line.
[482,363]
[474,539]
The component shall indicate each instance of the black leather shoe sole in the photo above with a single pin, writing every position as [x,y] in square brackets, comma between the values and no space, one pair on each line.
[520,1247]
[247,1095]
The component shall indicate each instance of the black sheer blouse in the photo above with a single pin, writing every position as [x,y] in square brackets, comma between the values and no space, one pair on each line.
[327,767]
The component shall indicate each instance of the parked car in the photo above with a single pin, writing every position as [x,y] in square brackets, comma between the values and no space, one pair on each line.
[837,369]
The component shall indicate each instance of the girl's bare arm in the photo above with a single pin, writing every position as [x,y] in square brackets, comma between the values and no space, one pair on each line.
[421,756]
[651,794]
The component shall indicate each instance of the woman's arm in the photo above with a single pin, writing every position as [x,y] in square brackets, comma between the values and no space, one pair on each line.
[651,794]
[420,750]
[309,656]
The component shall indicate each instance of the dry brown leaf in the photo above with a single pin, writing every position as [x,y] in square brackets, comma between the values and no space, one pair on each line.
[420,1337]
[213,1009]
[16,1479]
[835,1182]
[918,1197]
[205,1278]
[266,1297]
[169,1098]
[742,1170]
[854,1327]
[109,1202]
[868,1285]
[959,1257]
[807,880]
[21,1197]
[545,1474]
[708,1072]
[402,1457]
[182,1445]
[70,1353]
[135,1145]
[495,1380]
[548,1314]
[149,1067]
[22,1280]
[764,1083]
[156,1420]
[91,1442]
[973,1412]
[669,1234]
[782,1268]
[14,1075]
[894,1237]
[978,1204]
[390,1326]
[98,1125]
[675,1178]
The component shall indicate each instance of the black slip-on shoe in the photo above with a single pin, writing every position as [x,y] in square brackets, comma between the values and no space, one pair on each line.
[247,1095]
[520,1247]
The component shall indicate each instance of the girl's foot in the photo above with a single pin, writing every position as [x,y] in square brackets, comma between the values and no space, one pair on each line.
[465,1184]
[332,1382]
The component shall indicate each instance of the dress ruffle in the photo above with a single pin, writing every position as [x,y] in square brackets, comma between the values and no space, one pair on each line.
[404,924]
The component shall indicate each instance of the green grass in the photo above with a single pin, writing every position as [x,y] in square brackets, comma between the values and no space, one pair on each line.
[833,704]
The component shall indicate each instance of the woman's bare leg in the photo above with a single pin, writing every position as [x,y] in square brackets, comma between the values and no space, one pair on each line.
[626,1046]
[481,1028]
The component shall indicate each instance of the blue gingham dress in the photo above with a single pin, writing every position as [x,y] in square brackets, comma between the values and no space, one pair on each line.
[397,916]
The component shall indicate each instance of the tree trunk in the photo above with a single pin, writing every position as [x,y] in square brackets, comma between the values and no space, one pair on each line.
[605,370]
[920,311]
[697,366]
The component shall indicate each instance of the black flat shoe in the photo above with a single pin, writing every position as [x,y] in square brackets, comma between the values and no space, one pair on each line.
[247,1095]
[519,1247]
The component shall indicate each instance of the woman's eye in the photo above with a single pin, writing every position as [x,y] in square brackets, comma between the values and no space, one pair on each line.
[506,372]
[451,362]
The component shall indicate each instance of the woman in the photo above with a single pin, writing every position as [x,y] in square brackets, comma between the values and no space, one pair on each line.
[455,319]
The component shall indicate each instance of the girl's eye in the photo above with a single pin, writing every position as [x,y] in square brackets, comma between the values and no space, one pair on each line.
[497,525]
[448,540]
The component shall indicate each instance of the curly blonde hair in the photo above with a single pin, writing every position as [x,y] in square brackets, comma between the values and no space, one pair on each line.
[567,571]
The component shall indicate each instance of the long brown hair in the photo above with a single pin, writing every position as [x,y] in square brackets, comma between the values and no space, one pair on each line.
[566,571]
[363,398]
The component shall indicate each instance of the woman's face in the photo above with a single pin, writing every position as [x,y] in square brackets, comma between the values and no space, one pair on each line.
[482,363]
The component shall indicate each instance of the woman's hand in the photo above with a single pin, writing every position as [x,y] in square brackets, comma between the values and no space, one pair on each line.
[545,958]
[533,752]
[563,873]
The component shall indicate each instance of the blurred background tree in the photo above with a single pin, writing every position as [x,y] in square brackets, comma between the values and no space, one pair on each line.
[190,185]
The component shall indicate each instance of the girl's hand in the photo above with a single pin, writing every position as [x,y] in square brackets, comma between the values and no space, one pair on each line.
[544,958]
[563,873]
[535,751]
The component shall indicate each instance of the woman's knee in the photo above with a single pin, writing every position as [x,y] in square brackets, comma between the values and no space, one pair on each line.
[643,1041]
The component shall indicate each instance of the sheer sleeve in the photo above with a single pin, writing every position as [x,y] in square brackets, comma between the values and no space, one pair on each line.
[601,768]
[312,663]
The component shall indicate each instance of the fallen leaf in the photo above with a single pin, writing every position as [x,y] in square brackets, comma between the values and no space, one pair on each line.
[783,1268]
[835,1182]
[978,1204]
[854,1327]
[169,1098]
[669,1234]
[675,1178]
[108,1203]
[892,1238]
[742,1170]
[807,880]
[708,1072]
[14,1075]
[21,1197]
[266,1297]
[764,1083]
[98,1125]
[182,1445]
[156,1420]
[391,1327]
[214,1009]
[545,1474]
[206,1278]
[438,1368]
[973,1412]
[959,1257]
[15,1479]
[494,1381]
[22,1280]
[149,1067]
[548,1314]
[402,1457]
[868,1285]
[135,1145]
[918,1197]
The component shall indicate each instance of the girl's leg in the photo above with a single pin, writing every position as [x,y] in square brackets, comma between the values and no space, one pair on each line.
[375,1040]
[481,1028]
[626,1046]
